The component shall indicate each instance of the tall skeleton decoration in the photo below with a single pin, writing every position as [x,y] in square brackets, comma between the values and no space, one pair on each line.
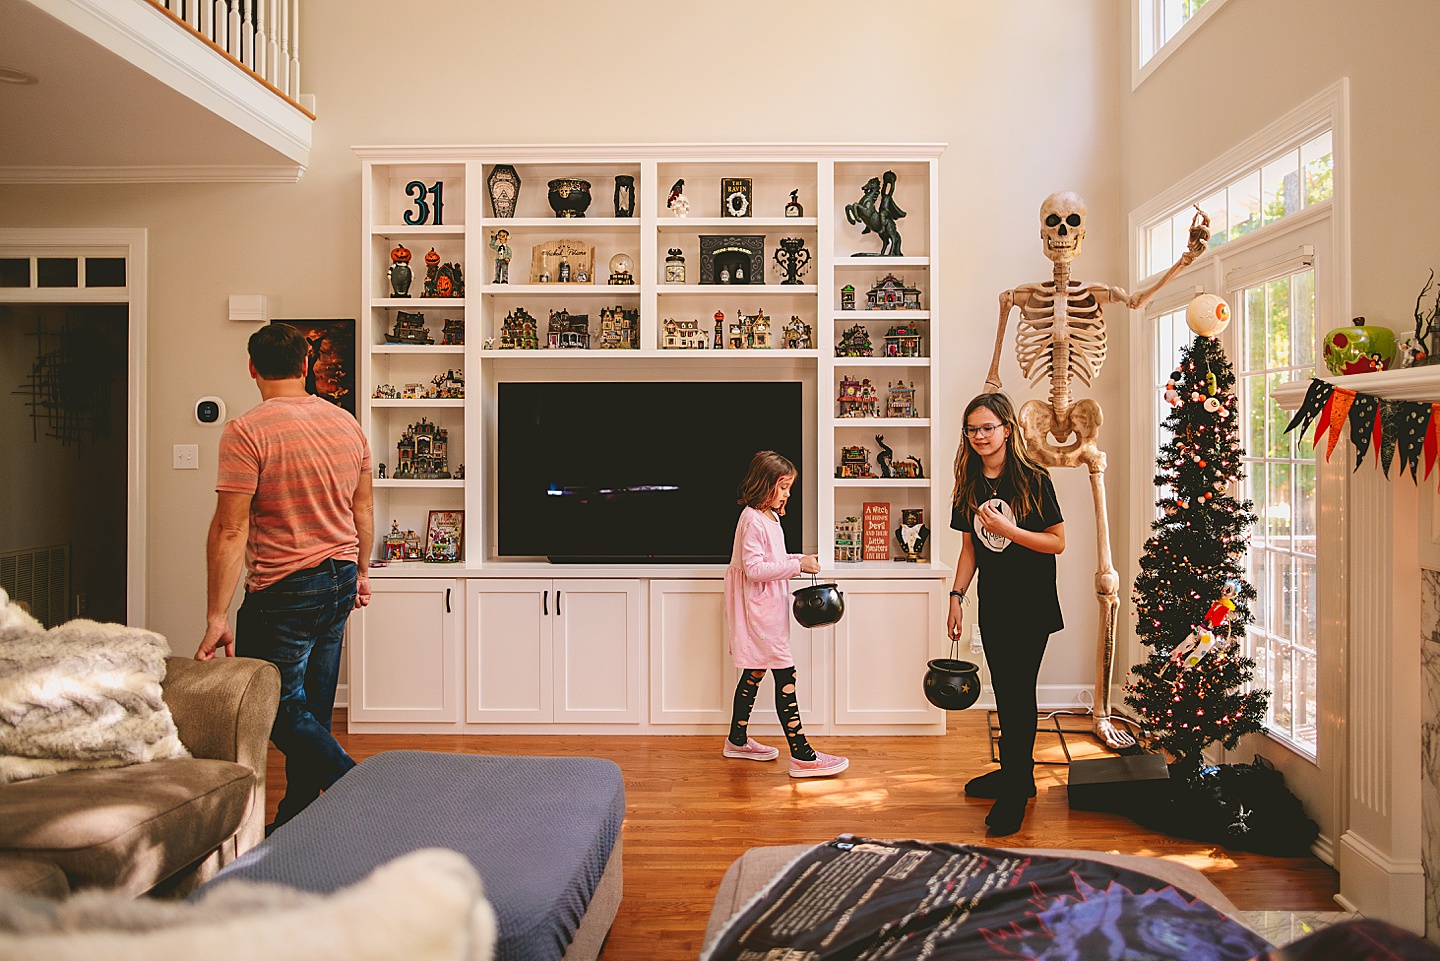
[1063,338]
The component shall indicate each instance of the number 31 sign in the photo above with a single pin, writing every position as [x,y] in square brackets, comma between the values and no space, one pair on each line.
[421,214]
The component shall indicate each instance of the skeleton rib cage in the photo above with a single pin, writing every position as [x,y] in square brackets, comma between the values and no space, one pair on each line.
[1060,344]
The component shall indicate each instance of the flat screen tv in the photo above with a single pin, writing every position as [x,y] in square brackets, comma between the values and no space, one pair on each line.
[637,471]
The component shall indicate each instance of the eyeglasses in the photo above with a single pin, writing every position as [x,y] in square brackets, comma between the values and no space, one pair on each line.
[985,430]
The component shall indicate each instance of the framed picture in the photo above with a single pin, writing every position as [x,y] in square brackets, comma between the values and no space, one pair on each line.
[331,372]
[444,536]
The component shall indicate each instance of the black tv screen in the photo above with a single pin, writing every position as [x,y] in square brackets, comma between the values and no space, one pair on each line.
[637,471]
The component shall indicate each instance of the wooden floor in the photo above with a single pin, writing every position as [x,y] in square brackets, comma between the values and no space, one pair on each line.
[691,812]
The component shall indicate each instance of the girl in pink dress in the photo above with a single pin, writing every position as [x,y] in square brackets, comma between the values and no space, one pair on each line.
[757,608]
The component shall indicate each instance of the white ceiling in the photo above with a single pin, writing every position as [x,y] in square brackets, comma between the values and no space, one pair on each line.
[97,116]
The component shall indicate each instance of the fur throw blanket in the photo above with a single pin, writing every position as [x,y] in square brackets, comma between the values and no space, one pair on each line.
[81,695]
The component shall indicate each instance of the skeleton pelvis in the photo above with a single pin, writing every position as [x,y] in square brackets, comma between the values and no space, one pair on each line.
[1063,440]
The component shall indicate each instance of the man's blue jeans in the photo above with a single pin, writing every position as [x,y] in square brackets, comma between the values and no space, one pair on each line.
[298,624]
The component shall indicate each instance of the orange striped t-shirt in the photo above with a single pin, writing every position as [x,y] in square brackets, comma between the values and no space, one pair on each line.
[301,458]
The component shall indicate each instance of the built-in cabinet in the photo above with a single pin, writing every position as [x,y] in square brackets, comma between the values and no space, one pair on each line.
[642,648]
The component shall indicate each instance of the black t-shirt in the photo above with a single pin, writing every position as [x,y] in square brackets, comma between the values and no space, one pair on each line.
[1017,585]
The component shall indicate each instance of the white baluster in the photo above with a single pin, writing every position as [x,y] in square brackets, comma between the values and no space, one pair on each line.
[282,66]
[247,36]
[222,25]
[232,35]
[207,19]
[192,13]
[294,83]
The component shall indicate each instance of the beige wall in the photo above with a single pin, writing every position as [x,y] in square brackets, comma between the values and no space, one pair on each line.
[1025,93]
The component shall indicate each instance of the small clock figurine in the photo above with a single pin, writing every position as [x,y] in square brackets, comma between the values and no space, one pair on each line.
[793,208]
[735,196]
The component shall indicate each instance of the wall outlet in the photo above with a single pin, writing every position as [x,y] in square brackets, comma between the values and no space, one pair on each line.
[187,456]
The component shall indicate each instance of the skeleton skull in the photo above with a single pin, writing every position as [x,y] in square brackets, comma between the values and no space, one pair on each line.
[1062,225]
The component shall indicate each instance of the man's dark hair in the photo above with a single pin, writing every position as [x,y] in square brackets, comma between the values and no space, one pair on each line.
[278,352]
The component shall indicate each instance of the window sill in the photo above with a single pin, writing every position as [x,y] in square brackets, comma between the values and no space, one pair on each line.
[1413,383]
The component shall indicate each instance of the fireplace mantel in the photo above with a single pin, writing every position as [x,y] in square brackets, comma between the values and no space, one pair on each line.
[1412,383]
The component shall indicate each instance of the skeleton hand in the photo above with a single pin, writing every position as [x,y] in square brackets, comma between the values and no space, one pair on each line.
[1199,235]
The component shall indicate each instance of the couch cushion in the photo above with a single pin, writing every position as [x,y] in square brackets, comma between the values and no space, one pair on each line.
[128,828]
[20,875]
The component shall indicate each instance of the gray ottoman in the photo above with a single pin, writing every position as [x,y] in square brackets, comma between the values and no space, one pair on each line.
[542,832]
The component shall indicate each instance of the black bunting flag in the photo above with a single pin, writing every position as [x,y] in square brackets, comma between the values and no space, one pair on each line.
[1404,427]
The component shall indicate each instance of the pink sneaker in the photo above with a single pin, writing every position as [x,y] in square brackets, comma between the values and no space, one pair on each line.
[752,751]
[824,765]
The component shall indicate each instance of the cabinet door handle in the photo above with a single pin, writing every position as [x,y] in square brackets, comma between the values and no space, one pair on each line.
[447,600]
[545,603]
[557,603]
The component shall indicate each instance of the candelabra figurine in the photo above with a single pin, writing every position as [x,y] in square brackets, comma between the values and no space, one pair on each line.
[792,257]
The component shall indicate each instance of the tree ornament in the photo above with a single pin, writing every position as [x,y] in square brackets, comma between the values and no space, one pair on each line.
[1208,315]
[1212,404]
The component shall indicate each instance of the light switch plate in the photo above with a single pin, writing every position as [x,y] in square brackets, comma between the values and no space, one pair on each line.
[187,456]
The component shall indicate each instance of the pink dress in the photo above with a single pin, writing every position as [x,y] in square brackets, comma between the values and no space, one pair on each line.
[757,593]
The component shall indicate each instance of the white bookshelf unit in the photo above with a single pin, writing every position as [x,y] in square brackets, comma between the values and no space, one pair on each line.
[496,644]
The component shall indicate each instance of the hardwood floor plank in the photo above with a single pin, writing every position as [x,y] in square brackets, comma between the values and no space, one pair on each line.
[690,812]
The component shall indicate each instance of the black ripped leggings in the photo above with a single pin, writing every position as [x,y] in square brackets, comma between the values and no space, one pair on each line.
[785,705]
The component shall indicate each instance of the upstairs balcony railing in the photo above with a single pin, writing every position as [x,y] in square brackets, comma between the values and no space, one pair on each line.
[263,36]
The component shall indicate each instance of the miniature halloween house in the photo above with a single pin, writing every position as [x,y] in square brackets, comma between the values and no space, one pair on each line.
[750,332]
[857,398]
[421,453]
[448,385]
[902,340]
[847,297]
[518,331]
[847,540]
[409,329]
[890,293]
[682,335]
[855,342]
[568,331]
[900,400]
[619,328]
[454,332]
[797,335]
[854,462]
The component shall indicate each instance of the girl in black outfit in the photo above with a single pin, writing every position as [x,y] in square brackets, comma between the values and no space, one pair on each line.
[1004,503]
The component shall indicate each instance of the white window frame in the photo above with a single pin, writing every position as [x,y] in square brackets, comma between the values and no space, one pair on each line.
[1144,16]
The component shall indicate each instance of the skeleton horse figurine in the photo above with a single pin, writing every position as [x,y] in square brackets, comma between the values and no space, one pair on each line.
[1061,336]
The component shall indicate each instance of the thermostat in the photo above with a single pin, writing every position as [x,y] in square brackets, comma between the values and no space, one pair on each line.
[209,411]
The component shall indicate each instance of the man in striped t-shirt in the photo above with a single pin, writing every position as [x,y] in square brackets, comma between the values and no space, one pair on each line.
[294,510]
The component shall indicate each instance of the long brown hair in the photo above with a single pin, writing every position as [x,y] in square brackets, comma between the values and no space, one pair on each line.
[761,478]
[1020,468]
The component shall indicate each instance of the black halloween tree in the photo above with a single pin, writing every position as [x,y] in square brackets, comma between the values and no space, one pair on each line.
[1190,595]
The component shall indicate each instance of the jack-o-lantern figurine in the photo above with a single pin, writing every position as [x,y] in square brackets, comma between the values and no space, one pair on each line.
[400,273]
[432,273]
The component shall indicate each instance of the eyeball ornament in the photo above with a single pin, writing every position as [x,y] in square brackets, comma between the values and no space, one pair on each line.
[1207,315]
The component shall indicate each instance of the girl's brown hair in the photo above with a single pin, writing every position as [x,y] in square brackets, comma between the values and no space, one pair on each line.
[1021,469]
[761,477]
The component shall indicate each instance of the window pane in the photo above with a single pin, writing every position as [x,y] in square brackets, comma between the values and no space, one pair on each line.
[1244,204]
[1260,651]
[57,272]
[1281,182]
[1280,690]
[1277,505]
[1254,318]
[14,272]
[1319,164]
[1308,605]
[1180,233]
[1282,580]
[1278,303]
[1304,505]
[1214,207]
[1159,246]
[1302,321]
[1260,607]
[104,271]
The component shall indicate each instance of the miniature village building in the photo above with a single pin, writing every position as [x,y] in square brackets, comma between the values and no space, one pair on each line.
[409,329]
[847,297]
[568,331]
[858,398]
[797,335]
[900,400]
[454,332]
[682,335]
[902,340]
[519,331]
[890,293]
[854,342]
[854,462]
[421,453]
[619,328]
[847,540]
[750,332]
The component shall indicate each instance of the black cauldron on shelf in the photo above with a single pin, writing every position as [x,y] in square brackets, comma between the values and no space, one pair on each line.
[818,605]
[952,684]
[569,197]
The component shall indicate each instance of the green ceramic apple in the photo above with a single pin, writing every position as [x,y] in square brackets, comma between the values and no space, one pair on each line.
[1358,349]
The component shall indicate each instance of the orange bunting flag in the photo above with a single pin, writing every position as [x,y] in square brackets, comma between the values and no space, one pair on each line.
[1432,441]
[1341,401]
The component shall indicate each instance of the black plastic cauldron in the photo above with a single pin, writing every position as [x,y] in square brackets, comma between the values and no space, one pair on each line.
[952,684]
[818,605]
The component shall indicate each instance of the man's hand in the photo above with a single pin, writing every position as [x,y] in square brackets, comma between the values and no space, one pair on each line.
[217,635]
[362,590]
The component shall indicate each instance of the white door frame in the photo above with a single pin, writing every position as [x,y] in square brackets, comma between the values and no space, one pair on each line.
[130,243]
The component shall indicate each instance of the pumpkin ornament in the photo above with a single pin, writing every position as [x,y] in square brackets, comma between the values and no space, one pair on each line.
[432,273]
[400,273]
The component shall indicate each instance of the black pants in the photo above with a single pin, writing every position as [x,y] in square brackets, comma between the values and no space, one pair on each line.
[1014,655]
